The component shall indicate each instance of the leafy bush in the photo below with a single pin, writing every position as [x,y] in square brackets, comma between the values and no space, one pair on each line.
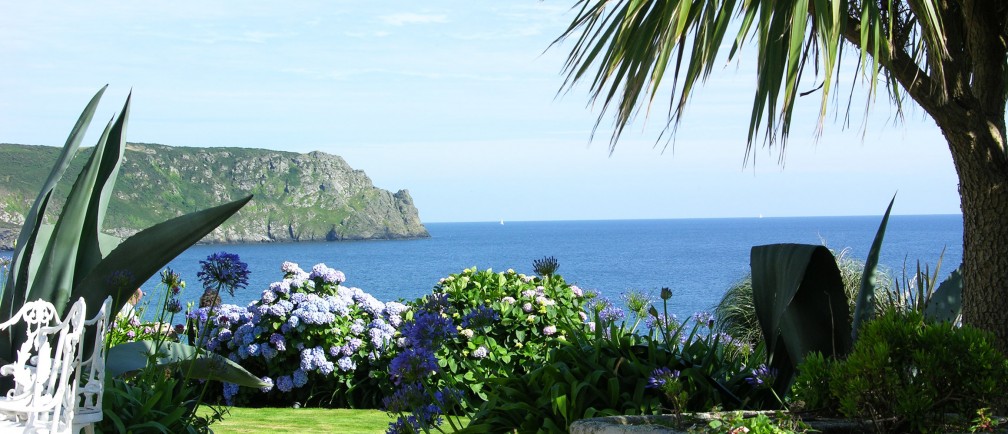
[156,400]
[476,327]
[614,371]
[128,327]
[156,397]
[315,341]
[909,375]
[811,388]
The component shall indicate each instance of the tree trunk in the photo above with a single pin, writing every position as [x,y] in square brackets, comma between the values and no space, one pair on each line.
[983,191]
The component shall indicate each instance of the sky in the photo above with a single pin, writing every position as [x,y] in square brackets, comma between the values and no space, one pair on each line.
[458,101]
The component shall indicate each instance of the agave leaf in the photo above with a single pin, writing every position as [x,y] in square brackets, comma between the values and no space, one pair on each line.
[945,303]
[73,248]
[142,255]
[91,242]
[134,356]
[864,307]
[799,299]
[21,271]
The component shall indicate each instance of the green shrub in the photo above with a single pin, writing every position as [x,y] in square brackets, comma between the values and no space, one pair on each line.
[760,423]
[910,375]
[475,328]
[156,400]
[811,388]
[613,371]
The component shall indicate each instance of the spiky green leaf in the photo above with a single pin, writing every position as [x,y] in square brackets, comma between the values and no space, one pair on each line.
[134,356]
[864,306]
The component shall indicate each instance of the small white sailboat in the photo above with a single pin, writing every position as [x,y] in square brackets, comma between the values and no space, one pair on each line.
[502,221]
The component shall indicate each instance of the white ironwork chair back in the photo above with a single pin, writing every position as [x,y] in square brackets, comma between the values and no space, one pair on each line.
[46,371]
[92,372]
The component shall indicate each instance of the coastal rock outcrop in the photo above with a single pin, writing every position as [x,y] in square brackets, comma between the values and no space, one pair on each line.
[298,197]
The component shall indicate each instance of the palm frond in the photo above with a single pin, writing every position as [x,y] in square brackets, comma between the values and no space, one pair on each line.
[625,49]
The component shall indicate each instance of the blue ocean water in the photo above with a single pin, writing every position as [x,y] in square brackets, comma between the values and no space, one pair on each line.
[697,258]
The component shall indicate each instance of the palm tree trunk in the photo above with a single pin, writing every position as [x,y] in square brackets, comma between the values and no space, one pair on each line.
[977,150]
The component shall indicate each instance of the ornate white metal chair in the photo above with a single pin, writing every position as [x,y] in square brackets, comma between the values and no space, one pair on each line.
[45,372]
[92,373]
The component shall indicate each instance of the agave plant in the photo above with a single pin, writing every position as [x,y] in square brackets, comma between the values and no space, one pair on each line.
[72,258]
[801,305]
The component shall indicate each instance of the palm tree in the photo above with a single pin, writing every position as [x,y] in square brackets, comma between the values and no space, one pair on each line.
[948,56]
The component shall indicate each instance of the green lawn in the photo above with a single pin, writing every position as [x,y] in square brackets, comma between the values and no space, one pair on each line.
[302,420]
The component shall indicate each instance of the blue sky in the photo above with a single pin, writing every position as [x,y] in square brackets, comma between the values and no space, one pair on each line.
[454,100]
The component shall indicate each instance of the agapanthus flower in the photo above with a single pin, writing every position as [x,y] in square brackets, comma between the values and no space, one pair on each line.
[611,313]
[479,317]
[428,328]
[223,270]
[174,305]
[661,376]
[762,376]
[413,364]
[704,319]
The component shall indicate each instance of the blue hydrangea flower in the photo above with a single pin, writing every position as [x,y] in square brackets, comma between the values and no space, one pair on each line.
[269,384]
[346,364]
[300,378]
[285,383]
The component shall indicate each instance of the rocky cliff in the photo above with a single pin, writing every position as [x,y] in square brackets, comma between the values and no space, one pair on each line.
[298,197]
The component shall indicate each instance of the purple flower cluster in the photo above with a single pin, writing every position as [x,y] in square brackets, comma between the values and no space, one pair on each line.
[303,326]
[481,316]
[325,275]
[223,270]
[431,326]
[763,376]
[661,376]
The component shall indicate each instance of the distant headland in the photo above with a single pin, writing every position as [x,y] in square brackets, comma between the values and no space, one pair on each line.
[298,197]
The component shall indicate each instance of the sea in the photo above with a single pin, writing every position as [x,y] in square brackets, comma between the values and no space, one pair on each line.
[698,259]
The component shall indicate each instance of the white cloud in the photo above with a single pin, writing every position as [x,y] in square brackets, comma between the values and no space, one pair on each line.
[412,18]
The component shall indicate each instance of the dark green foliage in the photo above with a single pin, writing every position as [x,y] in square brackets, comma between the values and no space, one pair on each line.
[734,313]
[514,340]
[811,390]
[611,372]
[586,378]
[910,375]
[155,400]
[801,305]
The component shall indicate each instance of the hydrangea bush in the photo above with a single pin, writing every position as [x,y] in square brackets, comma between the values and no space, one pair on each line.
[475,327]
[317,342]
